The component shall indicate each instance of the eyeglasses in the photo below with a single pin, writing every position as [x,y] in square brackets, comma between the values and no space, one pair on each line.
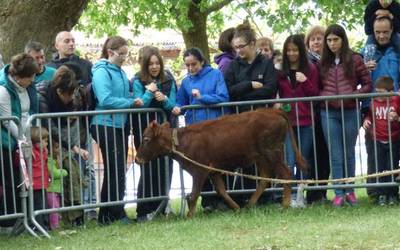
[119,55]
[238,47]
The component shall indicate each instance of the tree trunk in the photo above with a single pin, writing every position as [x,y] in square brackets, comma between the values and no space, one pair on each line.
[196,36]
[35,20]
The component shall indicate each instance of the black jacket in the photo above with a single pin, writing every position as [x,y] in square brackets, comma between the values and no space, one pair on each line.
[84,65]
[240,74]
[369,15]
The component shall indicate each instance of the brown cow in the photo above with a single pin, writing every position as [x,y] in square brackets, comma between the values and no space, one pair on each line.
[227,143]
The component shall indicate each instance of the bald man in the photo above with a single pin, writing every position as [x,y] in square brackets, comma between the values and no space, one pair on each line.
[65,45]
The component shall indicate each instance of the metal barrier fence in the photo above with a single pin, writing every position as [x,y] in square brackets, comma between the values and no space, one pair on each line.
[77,192]
[364,146]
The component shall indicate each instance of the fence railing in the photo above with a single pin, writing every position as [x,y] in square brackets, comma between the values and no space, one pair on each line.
[92,175]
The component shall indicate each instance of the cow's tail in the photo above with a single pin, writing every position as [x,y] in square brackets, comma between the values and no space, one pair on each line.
[301,163]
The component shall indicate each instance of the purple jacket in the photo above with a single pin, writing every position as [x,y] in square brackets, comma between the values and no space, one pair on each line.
[223,60]
[308,88]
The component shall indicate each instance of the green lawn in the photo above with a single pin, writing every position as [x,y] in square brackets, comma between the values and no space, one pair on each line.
[365,226]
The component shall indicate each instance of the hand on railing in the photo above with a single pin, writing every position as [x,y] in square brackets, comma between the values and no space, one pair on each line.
[83,153]
[160,96]
[176,111]
[366,124]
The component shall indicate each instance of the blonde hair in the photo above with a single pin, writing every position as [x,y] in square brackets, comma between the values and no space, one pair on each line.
[314,30]
[265,42]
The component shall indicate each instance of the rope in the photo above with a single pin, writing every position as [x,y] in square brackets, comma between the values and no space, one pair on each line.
[282,181]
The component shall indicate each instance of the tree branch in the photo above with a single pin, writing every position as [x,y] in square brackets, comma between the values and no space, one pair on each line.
[217,6]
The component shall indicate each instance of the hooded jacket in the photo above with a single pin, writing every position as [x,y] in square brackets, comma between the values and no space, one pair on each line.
[111,88]
[211,84]
[240,74]
[223,60]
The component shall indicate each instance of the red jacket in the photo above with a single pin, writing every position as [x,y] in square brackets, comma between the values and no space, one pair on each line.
[335,82]
[308,88]
[381,109]
[39,168]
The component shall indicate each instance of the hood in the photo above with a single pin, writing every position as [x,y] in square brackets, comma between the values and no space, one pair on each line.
[4,73]
[229,55]
[104,63]
[204,71]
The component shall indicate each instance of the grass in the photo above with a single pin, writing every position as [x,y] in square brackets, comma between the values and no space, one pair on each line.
[320,226]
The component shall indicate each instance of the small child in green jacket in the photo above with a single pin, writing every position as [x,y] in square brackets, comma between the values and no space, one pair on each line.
[55,186]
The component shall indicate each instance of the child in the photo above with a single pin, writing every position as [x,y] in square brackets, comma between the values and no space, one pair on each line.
[56,176]
[380,8]
[384,109]
[40,174]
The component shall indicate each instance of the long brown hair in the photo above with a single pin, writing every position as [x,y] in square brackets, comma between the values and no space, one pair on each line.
[328,57]
[144,74]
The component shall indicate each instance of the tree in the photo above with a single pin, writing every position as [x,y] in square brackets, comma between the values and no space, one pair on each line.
[189,17]
[22,21]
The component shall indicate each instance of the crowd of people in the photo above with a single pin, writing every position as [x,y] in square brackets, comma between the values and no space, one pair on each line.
[320,63]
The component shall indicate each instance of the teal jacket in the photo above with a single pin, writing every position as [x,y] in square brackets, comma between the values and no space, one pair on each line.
[168,88]
[46,75]
[111,88]
[56,174]
[16,105]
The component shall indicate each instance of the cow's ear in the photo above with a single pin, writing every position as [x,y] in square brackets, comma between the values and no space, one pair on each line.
[153,124]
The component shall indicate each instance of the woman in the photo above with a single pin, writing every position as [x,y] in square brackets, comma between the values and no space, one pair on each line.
[342,73]
[203,85]
[298,78]
[251,76]
[156,89]
[224,59]
[59,95]
[18,98]
[111,88]
[265,46]
[314,42]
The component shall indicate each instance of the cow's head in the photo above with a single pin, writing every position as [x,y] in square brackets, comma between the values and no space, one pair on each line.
[156,141]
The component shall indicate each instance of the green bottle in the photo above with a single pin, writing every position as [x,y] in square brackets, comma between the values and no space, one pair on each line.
[286,107]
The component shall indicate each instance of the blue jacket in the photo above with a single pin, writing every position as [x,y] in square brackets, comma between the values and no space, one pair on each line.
[211,84]
[168,88]
[16,105]
[387,64]
[111,88]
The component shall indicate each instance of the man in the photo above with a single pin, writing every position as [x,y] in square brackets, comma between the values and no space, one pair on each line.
[65,45]
[36,50]
[384,62]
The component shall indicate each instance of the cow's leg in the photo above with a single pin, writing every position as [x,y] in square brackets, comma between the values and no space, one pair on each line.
[283,172]
[221,190]
[198,182]
[262,166]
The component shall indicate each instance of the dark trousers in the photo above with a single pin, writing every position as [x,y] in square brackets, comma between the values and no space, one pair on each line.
[384,154]
[322,170]
[10,202]
[40,203]
[110,141]
[155,176]
[371,166]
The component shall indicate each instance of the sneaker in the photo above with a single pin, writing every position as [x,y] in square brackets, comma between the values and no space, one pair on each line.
[351,198]
[293,203]
[338,201]
[382,201]
[392,200]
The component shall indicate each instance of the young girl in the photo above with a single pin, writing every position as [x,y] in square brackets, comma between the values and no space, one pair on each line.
[54,190]
[298,78]
[40,173]
[343,72]
[156,89]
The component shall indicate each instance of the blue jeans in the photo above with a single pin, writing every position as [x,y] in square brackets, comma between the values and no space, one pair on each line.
[341,136]
[304,138]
